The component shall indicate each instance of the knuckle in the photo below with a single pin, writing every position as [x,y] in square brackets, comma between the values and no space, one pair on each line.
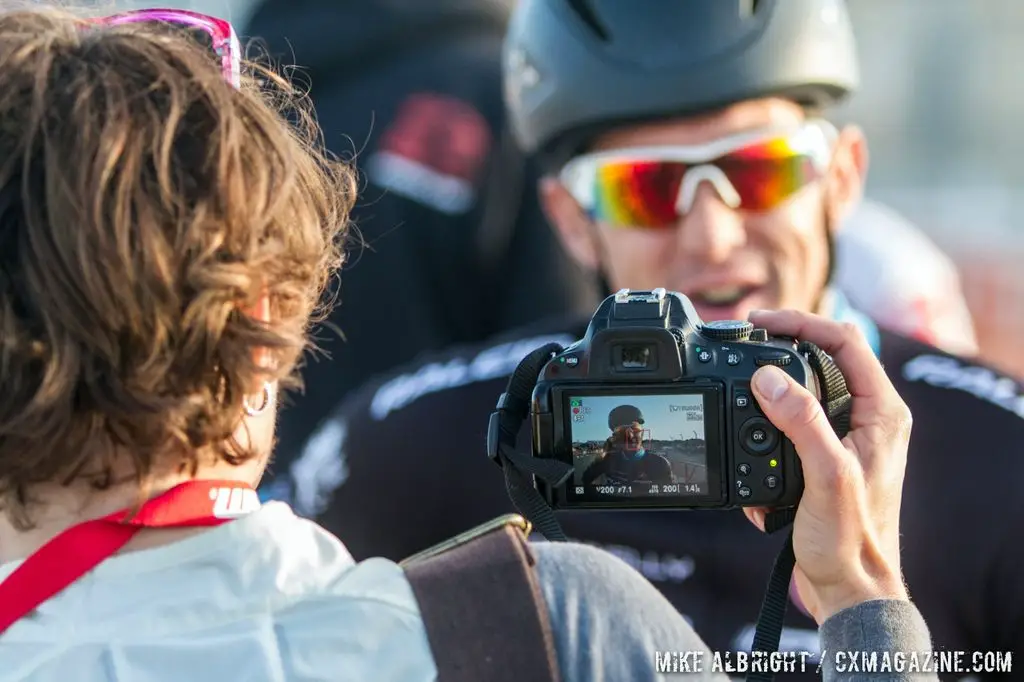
[838,476]
[851,331]
[832,477]
[788,316]
[902,421]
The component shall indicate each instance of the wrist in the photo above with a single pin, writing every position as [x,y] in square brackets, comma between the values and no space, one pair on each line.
[858,591]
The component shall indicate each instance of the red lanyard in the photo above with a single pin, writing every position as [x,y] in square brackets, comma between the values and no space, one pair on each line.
[79,549]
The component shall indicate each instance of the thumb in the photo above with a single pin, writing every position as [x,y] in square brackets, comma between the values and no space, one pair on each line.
[798,414]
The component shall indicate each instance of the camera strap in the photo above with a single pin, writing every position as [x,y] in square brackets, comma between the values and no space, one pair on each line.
[513,409]
[502,429]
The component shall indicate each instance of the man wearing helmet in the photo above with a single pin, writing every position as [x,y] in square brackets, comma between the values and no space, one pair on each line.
[687,148]
[624,458]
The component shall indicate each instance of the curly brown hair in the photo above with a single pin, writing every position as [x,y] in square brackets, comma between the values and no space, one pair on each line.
[145,206]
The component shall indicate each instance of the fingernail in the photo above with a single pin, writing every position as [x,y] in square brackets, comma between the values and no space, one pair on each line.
[771,383]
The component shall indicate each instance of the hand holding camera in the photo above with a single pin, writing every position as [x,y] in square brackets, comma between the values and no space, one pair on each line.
[846,530]
[788,416]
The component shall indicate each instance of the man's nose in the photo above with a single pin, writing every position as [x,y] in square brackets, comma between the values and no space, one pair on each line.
[710,231]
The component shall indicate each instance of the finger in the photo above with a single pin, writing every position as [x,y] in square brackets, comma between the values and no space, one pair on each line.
[798,414]
[865,377]
[756,516]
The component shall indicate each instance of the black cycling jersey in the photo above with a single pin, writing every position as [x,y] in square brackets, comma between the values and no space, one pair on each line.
[402,466]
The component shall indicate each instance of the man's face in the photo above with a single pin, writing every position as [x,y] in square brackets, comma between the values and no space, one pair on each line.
[727,259]
[630,436]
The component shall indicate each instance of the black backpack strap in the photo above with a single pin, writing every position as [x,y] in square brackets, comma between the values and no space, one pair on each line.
[485,615]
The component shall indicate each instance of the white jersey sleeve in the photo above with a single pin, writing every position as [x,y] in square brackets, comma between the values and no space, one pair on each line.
[890,270]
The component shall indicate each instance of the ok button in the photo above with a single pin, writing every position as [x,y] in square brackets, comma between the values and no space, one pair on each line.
[758,436]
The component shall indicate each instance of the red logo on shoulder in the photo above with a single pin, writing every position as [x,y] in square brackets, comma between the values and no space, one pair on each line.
[442,133]
[433,152]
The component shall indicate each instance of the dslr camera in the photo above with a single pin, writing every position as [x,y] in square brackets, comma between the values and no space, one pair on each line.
[653,409]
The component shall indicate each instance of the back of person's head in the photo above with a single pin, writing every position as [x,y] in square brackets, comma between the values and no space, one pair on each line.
[147,209]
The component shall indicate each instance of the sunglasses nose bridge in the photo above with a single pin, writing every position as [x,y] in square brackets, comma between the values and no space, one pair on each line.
[715,177]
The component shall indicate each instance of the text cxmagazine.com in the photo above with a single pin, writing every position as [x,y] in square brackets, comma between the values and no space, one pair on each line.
[844,662]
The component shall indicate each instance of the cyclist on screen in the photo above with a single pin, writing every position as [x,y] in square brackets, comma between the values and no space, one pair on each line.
[624,459]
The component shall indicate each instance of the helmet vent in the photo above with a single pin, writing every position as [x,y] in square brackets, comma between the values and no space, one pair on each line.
[587,15]
[748,8]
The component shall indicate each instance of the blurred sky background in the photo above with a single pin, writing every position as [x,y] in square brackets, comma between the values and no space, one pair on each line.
[941,102]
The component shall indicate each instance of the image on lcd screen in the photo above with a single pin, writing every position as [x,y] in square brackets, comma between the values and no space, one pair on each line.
[639,446]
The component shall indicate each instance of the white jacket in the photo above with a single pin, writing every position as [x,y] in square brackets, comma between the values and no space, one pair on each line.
[270,597]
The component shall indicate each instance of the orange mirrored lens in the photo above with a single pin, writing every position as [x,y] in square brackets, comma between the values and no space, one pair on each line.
[645,193]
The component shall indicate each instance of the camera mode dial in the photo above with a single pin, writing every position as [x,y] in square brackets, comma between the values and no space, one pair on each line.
[727,330]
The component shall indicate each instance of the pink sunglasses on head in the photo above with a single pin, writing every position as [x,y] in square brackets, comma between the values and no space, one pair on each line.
[222,35]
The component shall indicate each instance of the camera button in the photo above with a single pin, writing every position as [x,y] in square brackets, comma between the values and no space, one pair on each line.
[771,482]
[758,436]
[704,355]
[743,469]
[742,401]
[733,358]
[744,492]
[778,358]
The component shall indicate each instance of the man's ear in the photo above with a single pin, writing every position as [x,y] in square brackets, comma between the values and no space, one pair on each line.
[573,227]
[847,174]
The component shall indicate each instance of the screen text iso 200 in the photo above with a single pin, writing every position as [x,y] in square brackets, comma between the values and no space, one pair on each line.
[674,489]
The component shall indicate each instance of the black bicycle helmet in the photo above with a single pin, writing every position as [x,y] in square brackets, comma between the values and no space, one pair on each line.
[624,415]
[573,68]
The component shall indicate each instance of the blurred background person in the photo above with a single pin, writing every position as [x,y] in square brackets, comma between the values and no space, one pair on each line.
[411,90]
[897,276]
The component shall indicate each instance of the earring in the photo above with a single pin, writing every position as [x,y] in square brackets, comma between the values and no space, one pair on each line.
[268,397]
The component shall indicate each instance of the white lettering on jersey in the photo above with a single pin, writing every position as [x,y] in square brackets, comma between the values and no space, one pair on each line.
[230,503]
[320,469]
[490,363]
[946,372]
[413,180]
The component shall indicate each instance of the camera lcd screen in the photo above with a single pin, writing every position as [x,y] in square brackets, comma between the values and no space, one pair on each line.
[638,446]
